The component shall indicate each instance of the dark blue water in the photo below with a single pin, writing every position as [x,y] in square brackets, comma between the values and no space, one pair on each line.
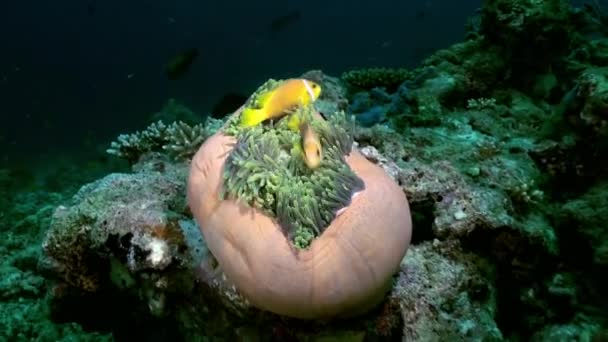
[88,70]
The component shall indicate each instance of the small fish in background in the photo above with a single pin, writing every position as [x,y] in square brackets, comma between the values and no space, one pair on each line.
[386,44]
[311,146]
[424,12]
[91,9]
[227,104]
[5,76]
[280,23]
[420,15]
[181,63]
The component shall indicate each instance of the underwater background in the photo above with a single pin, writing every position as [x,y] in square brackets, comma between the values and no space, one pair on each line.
[492,116]
[87,69]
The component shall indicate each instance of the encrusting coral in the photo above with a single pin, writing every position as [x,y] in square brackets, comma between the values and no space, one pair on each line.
[265,169]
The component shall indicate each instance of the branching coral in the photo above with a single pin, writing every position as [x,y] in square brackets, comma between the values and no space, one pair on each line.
[179,139]
[265,170]
[183,140]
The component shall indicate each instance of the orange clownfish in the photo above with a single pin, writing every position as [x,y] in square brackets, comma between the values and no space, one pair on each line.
[279,101]
[311,146]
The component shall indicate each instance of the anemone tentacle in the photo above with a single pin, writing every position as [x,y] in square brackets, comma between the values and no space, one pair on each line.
[265,170]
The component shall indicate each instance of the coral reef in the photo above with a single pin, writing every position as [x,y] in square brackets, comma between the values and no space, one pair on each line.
[374,107]
[589,105]
[179,139]
[143,254]
[536,34]
[26,208]
[129,233]
[585,214]
[366,79]
[439,285]
[67,244]
[498,142]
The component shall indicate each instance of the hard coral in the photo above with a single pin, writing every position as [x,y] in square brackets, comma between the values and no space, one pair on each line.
[178,139]
[346,270]
[128,208]
[389,78]
[444,295]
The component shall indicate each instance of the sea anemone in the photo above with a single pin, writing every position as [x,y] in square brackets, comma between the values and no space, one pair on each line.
[265,170]
[295,241]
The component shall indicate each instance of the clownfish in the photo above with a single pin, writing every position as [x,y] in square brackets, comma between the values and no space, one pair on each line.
[279,101]
[312,152]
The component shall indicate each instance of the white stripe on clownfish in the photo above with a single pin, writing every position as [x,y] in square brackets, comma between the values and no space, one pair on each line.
[309,89]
